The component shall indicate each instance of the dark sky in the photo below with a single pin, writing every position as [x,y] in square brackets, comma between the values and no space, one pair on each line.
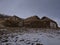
[26,8]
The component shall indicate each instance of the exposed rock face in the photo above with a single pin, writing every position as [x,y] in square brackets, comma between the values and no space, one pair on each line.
[31,22]
[49,22]
[32,18]
[9,21]
[36,22]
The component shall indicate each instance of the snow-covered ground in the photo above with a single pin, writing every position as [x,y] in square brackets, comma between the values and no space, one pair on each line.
[31,37]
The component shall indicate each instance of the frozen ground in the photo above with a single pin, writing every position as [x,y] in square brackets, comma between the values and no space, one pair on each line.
[31,37]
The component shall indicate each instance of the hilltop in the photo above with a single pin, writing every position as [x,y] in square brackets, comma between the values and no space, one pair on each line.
[30,22]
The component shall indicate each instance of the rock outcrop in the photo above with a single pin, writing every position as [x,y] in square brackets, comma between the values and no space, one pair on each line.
[31,22]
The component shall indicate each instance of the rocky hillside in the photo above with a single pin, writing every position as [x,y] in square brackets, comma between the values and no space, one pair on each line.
[9,21]
[31,22]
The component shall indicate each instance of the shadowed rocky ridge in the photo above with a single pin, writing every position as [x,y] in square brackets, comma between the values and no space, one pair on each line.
[30,22]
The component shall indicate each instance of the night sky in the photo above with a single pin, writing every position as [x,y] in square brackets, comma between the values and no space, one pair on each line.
[27,8]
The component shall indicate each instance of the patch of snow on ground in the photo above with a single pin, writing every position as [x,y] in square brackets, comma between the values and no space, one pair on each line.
[31,38]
